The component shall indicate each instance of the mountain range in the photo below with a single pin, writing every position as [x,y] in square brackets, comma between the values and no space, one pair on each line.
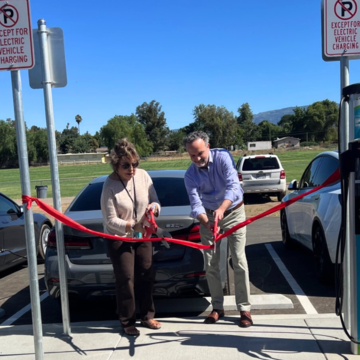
[274,116]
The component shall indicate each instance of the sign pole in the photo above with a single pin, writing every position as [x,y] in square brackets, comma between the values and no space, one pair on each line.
[31,244]
[47,86]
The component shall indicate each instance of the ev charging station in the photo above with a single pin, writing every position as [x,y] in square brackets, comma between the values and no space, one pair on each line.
[341,42]
[349,239]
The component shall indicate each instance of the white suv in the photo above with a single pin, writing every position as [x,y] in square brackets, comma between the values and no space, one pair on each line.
[262,174]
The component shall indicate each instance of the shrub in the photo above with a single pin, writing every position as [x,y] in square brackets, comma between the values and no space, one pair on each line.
[309,143]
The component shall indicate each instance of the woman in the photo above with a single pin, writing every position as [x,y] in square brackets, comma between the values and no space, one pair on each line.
[127,193]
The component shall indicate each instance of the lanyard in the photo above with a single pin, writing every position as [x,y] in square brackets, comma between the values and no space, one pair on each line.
[133,200]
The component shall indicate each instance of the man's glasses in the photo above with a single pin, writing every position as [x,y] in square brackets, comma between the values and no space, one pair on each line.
[127,165]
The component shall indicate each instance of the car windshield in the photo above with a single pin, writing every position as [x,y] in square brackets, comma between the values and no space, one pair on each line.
[170,191]
[260,163]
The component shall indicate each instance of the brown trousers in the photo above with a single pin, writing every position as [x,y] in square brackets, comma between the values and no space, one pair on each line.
[134,277]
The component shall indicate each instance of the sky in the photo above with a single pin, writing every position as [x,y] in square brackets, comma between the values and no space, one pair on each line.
[180,53]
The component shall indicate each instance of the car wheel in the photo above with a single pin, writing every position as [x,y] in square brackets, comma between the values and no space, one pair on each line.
[324,266]
[281,195]
[286,239]
[43,240]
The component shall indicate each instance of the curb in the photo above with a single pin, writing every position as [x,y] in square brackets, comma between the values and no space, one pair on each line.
[264,301]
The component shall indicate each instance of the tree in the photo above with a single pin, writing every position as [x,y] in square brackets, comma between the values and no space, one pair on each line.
[154,122]
[91,141]
[80,145]
[116,128]
[219,123]
[269,131]
[37,142]
[67,138]
[8,149]
[298,123]
[322,120]
[245,121]
[175,140]
[286,123]
[78,119]
[126,127]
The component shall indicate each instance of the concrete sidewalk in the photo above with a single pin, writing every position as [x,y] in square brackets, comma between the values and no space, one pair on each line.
[283,337]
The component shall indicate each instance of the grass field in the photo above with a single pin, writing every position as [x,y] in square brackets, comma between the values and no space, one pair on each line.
[74,177]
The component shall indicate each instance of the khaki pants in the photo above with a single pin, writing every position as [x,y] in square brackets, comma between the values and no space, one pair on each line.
[237,242]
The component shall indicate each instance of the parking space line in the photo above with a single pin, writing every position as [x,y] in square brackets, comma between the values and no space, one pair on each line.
[303,299]
[21,312]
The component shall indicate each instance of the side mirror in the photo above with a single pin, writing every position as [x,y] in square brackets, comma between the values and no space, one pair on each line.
[293,185]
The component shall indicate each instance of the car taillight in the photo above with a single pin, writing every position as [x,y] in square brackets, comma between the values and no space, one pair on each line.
[197,274]
[240,176]
[51,239]
[192,235]
[282,174]
[71,242]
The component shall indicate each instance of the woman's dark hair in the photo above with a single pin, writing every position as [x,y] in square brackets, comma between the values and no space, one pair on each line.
[123,148]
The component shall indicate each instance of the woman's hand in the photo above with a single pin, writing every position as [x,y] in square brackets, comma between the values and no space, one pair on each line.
[129,226]
[154,207]
[139,227]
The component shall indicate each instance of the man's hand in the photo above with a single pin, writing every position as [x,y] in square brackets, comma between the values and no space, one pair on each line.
[218,214]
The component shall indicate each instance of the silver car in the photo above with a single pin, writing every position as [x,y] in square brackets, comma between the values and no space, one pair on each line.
[179,270]
[262,174]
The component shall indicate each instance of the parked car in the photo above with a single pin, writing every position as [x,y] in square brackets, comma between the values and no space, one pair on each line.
[314,221]
[179,270]
[262,174]
[12,233]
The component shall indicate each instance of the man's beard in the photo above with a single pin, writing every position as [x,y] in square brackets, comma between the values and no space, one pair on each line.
[202,164]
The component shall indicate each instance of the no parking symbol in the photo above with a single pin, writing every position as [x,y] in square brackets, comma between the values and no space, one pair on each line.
[345,10]
[16,42]
[9,15]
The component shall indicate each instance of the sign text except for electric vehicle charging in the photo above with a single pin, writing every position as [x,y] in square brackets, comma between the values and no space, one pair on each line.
[16,42]
[341,28]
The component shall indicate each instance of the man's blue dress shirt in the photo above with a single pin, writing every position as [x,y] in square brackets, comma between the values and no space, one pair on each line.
[209,187]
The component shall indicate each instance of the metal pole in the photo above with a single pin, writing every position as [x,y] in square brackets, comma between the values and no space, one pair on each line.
[31,244]
[344,144]
[47,85]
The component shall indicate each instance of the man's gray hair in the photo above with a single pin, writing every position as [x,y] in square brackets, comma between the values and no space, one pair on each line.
[190,138]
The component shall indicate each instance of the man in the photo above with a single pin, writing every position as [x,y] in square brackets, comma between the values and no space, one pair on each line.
[215,194]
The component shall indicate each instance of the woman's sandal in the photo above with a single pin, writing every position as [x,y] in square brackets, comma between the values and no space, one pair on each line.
[151,324]
[132,331]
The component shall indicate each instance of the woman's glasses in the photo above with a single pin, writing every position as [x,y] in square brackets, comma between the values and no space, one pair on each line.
[127,165]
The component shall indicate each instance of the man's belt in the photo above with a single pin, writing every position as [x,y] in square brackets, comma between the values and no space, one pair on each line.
[227,212]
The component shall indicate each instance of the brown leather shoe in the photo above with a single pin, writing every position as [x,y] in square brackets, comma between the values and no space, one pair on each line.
[245,319]
[214,316]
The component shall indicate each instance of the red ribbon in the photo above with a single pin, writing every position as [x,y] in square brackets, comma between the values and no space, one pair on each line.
[153,227]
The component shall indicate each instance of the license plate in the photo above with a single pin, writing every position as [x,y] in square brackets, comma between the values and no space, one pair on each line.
[261,177]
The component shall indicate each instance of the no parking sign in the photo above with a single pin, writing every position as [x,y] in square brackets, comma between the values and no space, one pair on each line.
[16,42]
[341,29]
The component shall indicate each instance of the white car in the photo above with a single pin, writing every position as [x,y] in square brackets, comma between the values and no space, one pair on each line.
[262,174]
[314,221]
